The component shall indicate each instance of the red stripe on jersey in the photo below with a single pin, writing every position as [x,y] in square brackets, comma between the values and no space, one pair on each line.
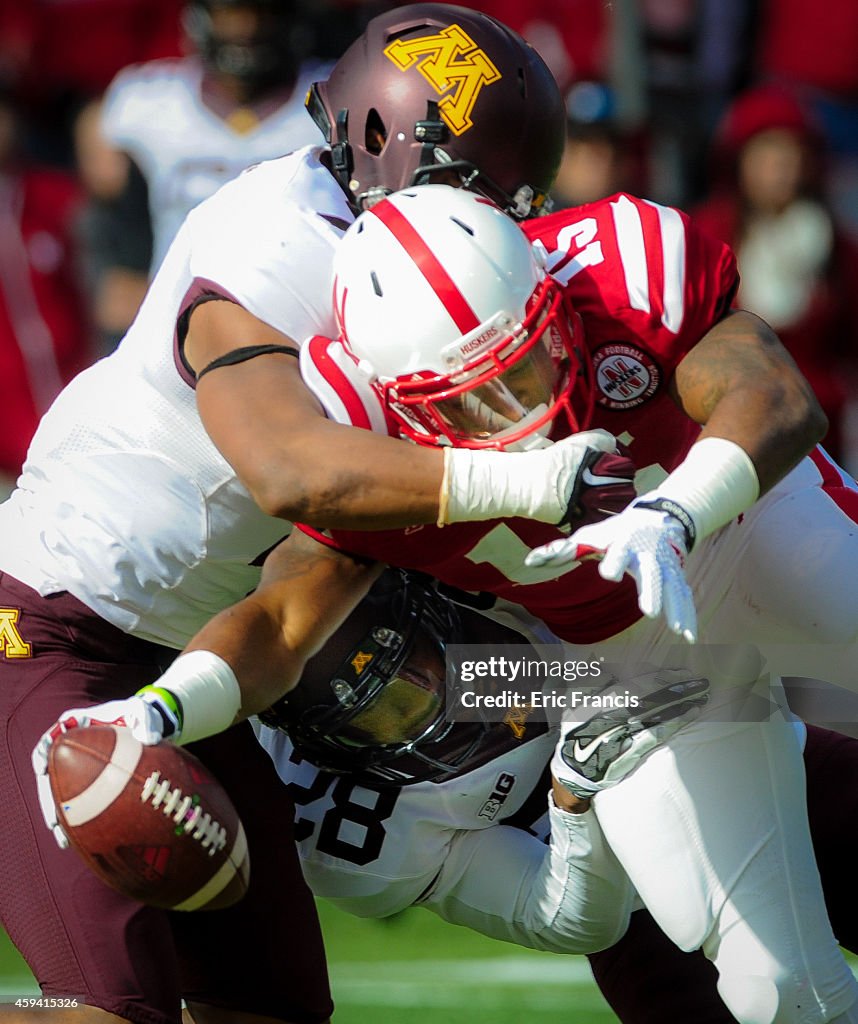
[427,263]
[340,307]
[340,383]
[317,535]
[837,483]
[827,469]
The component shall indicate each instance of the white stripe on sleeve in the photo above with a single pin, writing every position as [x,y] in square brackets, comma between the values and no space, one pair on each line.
[673,250]
[630,241]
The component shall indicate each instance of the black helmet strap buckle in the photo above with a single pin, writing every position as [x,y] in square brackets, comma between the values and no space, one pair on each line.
[341,151]
[431,132]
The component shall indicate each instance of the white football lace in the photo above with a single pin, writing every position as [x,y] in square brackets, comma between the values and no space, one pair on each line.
[187,814]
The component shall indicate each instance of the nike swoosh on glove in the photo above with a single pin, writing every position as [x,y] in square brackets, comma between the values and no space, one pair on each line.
[647,544]
[148,718]
[604,749]
[604,486]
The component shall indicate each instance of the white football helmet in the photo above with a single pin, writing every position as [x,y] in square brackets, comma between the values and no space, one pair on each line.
[449,309]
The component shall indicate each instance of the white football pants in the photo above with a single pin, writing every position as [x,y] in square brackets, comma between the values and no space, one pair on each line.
[712,828]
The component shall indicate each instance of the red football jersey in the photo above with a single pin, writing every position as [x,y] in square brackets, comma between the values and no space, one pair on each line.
[648,285]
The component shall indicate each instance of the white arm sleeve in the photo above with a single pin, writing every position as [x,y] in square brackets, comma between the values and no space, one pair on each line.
[571,896]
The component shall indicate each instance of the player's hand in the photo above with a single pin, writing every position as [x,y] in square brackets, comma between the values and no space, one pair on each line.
[587,476]
[647,544]
[148,717]
[577,480]
[600,484]
[598,753]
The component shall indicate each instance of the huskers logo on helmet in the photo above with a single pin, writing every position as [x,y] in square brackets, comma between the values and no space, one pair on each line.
[448,60]
[12,644]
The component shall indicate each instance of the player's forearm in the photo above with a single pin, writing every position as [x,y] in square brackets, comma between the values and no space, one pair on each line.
[238,636]
[776,425]
[336,476]
[251,654]
[343,477]
[741,385]
[299,465]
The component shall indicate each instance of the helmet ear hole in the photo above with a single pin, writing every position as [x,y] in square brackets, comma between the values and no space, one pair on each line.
[375,134]
[503,128]
[522,83]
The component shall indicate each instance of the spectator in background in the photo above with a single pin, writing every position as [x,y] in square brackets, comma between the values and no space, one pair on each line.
[799,270]
[43,335]
[671,66]
[114,230]
[188,126]
[601,157]
[695,55]
[813,48]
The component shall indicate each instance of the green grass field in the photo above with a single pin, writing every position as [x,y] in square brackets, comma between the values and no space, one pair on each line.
[415,969]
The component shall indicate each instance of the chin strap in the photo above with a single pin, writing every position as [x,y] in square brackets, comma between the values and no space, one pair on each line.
[431,132]
[341,152]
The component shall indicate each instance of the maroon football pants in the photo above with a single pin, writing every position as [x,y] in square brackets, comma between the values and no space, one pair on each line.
[81,938]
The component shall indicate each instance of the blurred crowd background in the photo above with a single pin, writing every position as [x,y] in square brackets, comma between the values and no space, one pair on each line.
[117,116]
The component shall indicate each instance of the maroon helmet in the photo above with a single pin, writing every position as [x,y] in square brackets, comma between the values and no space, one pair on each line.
[432,87]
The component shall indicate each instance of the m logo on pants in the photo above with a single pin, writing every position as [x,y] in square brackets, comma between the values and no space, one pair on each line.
[12,644]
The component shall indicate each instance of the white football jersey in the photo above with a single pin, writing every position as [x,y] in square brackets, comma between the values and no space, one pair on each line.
[123,500]
[155,112]
[375,851]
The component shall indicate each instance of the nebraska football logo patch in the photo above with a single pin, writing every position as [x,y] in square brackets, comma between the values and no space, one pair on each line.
[625,376]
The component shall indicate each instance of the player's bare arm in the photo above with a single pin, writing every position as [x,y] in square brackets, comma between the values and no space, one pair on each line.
[306,592]
[742,384]
[271,430]
[760,418]
[240,663]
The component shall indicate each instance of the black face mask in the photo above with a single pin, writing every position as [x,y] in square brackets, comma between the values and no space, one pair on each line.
[267,61]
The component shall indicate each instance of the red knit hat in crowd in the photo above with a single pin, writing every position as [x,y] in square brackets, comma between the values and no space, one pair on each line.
[763,107]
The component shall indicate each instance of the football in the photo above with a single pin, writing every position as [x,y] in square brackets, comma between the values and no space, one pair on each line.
[151,821]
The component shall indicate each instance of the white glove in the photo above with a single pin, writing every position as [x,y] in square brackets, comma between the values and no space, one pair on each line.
[148,717]
[604,749]
[650,546]
[547,484]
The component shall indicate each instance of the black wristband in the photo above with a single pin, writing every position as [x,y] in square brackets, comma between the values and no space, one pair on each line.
[678,513]
[168,723]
